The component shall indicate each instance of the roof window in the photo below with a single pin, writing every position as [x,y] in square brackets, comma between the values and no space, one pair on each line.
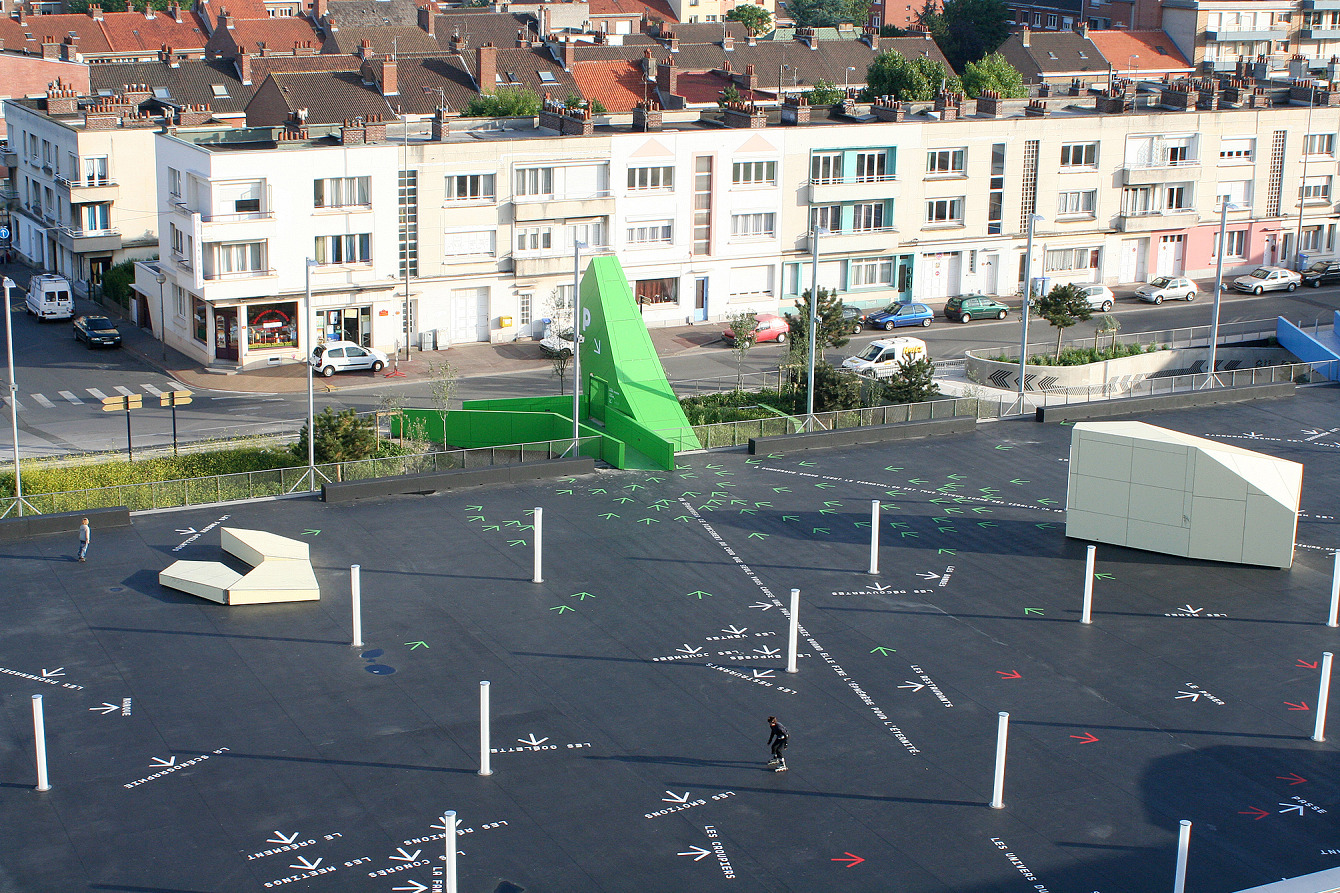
[162,93]
[547,77]
[220,90]
[1160,50]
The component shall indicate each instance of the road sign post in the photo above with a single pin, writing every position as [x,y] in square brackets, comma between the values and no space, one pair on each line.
[356,600]
[536,576]
[174,399]
[40,740]
[874,536]
[1087,616]
[1334,619]
[124,403]
[449,826]
[1183,844]
[793,633]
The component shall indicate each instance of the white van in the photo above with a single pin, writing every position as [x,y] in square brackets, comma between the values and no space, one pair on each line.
[49,297]
[881,357]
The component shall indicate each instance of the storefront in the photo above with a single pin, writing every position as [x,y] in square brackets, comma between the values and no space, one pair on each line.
[347,324]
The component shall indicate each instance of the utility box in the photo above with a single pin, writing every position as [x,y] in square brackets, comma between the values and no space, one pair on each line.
[428,340]
[504,322]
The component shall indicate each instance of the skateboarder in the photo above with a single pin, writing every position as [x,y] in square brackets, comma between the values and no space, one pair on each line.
[83,538]
[777,740]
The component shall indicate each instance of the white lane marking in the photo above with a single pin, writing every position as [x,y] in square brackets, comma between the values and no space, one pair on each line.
[71,397]
[127,392]
[42,401]
[150,389]
[18,406]
[97,393]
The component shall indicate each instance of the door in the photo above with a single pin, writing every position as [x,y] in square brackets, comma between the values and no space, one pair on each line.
[597,393]
[991,274]
[941,276]
[225,333]
[357,326]
[1170,255]
[700,299]
[1132,267]
[469,315]
[1268,258]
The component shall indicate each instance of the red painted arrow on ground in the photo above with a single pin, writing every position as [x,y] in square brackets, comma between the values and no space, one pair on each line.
[1292,778]
[849,859]
[1086,738]
[1011,674]
[1306,665]
[1255,812]
[1293,706]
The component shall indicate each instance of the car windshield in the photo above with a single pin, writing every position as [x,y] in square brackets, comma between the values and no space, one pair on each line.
[1260,273]
[1320,266]
[566,335]
[1161,282]
[99,323]
[320,349]
[892,308]
[871,352]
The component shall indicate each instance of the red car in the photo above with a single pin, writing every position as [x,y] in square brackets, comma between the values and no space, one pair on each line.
[770,328]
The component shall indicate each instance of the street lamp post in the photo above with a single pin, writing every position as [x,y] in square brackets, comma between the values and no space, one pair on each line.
[1130,64]
[311,411]
[1028,299]
[1224,208]
[813,324]
[577,247]
[1302,188]
[160,277]
[13,396]
[846,78]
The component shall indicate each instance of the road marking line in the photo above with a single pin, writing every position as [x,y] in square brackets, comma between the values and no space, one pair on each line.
[71,397]
[18,407]
[150,389]
[43,401]
[125,391]
[96,393]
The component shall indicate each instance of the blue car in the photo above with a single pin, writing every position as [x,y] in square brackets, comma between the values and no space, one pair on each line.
[895,315]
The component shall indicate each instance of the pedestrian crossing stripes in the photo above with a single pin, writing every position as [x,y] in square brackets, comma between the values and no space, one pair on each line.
[150,389]
[71,397]
[43,401]
[124,391]
[96,394]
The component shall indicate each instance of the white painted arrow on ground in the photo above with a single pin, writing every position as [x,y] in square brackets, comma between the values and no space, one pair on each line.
[696,852]
[879,587]
[767,652]
[915,686]
[283,838]
[404,856]
[762,606]
[734,631]
[304,865]
[531,740]
[1291,806]
[762,674]
[1183,695]
[106,708]
[47,674]
[688,649]
[186,532]
[1187,609]
[159,762]
[675,798]
[926,575]
[417,888]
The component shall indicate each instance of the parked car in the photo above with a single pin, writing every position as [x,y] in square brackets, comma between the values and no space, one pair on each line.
[95,330]
[556,344]
[771,327]
[1323,272]
[881,357]
[1268,279]
[50,297]
[970,307]
[1100,297]
[1167,288]
[896,315]
[340,356]
[853,319]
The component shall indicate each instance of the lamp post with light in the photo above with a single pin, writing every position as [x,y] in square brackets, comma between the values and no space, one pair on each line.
[1225,207]
[160,277]
[577,247]
[1028,299]
[813,324]
[13,396]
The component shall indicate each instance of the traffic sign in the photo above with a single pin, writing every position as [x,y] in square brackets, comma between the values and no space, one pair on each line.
[124,403]
[174,398]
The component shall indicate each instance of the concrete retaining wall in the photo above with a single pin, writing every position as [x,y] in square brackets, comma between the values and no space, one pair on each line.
[822,440]
[12,529]
[433,482]
[1129,406]
[1120,375]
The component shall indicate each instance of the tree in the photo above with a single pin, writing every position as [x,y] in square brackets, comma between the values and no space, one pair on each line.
[576,102]
[729,95]
[827,13]
[967,30]
[755,18]
[909,80]
[992,72]
[744,329]
[505,102]
[394,405]
[443,380]
[825,93]
[1107,325]
[913,381]
[1064,306]
[834,388]
[340,437]
[117,280]
[558,365]
[832,331]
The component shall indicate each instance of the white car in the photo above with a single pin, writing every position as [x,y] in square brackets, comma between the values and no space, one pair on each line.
[881,357]
[1167,288]
[338,356]
[1100,297]
[1268,279]
[555,343]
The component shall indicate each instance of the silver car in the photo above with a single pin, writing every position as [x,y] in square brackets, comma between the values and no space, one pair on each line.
[1167,288]
[337,356]
[1268,279]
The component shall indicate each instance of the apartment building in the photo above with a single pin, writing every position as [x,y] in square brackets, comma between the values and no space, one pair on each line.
[714,213]
[1216,34]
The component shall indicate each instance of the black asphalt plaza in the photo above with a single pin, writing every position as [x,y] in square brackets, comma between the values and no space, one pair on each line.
[195,747]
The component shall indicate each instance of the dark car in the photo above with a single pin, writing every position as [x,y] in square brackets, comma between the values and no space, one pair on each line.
[95,330]
[1323,272]
[970,307]
[853,319]
[895,315]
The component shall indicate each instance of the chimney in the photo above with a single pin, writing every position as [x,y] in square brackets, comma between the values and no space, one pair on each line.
[1084,30]
[319,10]
[751,40]
[667,77]
[569,54]
[456,41]
[727,43]
[23,15]
[50,48]
[301,48]
[988,104]
[134,94]
[390,77]
[225,20]
[428,20]
[869,36]
[69,50]
[796,110]
[149,13]
[521,41]
[886,108]
[130,6]
[61,99]
[486,68]
[243,62]
[194,115]
[647,117]
[441,125]
[673,42]
[1023,35]
[175,11]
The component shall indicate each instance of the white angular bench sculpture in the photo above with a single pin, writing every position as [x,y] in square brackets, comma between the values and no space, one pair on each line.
[1137,485]
[281,571]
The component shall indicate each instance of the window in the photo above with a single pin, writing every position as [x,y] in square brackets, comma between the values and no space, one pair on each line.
[753,225]
[95,171]
[869,272]
[656,232]
[94,217]
[341,192]
[1319,144]
[1136,201]
[996,200]
[179,300]
[220,91]
[871,167]
[754,173]
[591,232]
[469,243]
[1074,203]
[1237,244]
[827,216]
[534,238]
[944,210]
[826,167]
[470,188]
[656,291]
[1051,21]
[1063,260]
[351,249]
[945,161]
[199,320]
[1237,149]
[1316,189]
[535,181]
[1311,239]
[1176,198]
[1079,155]
[525,303]
[868,217]
[1238,192]
[651,178]
[174,182]
[177,240]
[233,258]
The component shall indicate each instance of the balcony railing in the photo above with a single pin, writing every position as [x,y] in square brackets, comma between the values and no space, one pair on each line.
[237,216]
[85,182]
[234,275]
[845,180]
[565,197]
[1156,212]
[74,233]
[1162,163]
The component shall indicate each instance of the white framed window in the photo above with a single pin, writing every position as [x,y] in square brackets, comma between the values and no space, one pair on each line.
[342,192]
[534,238]
[754,226]
[471,188]
[534,181]
[1051,21]
[592,232]
[525,308]
[355,248]
[1080,202]
[944,210]
[177,239]
[1312,239]
[652,232]
[869,272]
[470,243]
[229,258]
[1319,144]
[826,167]
[640,178]
[1316,189]
[174,182]
[1063,260]
[867,217]
[1137,201]
[946,161]
[1238,192]
[179,301]
[95,170]
[1176,198]
[872,167]
[827,216]
[1236,239]
[1237,150]
[1079,155]
[754,173]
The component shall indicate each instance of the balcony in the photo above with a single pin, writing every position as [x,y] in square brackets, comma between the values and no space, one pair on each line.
[549,263]
[1150,173]
[1320,34]
[836,191]
[9,157]
[528,209]
[1239,35]
[866,241]
[88,240]
[98,189]
[1154,221]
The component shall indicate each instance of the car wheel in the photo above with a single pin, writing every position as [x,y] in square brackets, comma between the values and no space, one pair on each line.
[965,317]
[328,371]
[1158,299]
[1107,305]
[888,326]
[1316,283]
[1190,296]
[925,322]
[1000,315]
[856,329]
[1293,286]
[781,337]
[1257,290]
[565,353]
[378,366]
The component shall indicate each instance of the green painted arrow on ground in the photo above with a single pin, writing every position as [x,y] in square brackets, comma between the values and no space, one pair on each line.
[512,523]
[564,492]
[1103,577]
[983,511]
[688,474]
[832,502]
[311,531]
[749,511]
[945,520]
[893,468]
[723,472]
[953,511]
[1017,481]
[699,594]
[950,487]
[722,493]
[956,477]
[474,508]
[763,505]
[690,494]
[655,480]
[946,530]
[807,464]
[896,524]
[759,536]
[635,487]
[824,530]
[624,499]
[608,515]
[1047,501]
[909,533]
[599,490]
[476,518]
[776,455]
[739,502]
[828,511]
[657,507]
[710,467]
[561,608]
[987,524]
[414,645]
[581,596]
[1044,526]
[918,481]
[682,518]
[862,523]
[881,650]
[1033,611]
[649,520]
[946,552]
[706,508]
[516,542]
[781,489]
[492,527]
[753,461]
[1004,446]
[939,500]
[825,486]
[892,493]
[790,517]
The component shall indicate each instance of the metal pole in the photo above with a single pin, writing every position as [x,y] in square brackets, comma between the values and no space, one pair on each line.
[356,597]
[13,395]
[174,426]
[813,324]
[1218,289]
[998,789]
[40,738]
[1302,189]
[1334,619]
[576,344]
[1323,697]
[129,452]
[162,319]
[311,410]
[874,536]
[404,203]
[793,633]
[484,768]
[1028,299]
[1183,843]
[449,824]
[1087,616]
[536,576]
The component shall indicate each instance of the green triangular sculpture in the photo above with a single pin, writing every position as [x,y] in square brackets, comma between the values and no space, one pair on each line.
[622,377]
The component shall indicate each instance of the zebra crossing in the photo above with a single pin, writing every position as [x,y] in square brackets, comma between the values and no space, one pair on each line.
[73,399]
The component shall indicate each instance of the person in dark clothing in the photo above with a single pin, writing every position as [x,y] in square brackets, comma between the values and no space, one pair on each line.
[777,740]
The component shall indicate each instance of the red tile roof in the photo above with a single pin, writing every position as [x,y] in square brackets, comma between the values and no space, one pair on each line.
[618,84]
[1118,47]
[133,31]
[705,89]
[278,34]
[652,9]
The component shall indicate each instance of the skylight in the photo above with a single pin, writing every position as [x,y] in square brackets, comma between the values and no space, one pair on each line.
[219,89]
[162,93]
[1160,50]
[547,77]
[1051,55]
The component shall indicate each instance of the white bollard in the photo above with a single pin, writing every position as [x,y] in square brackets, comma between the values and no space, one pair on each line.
[484,768]
[793,633]
[356,602]
[998,789]
[1183,843]
[40,737]
[449,823]
[537,577]
[1087,615]
[1323,697]
[874,536]
[1335,594]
